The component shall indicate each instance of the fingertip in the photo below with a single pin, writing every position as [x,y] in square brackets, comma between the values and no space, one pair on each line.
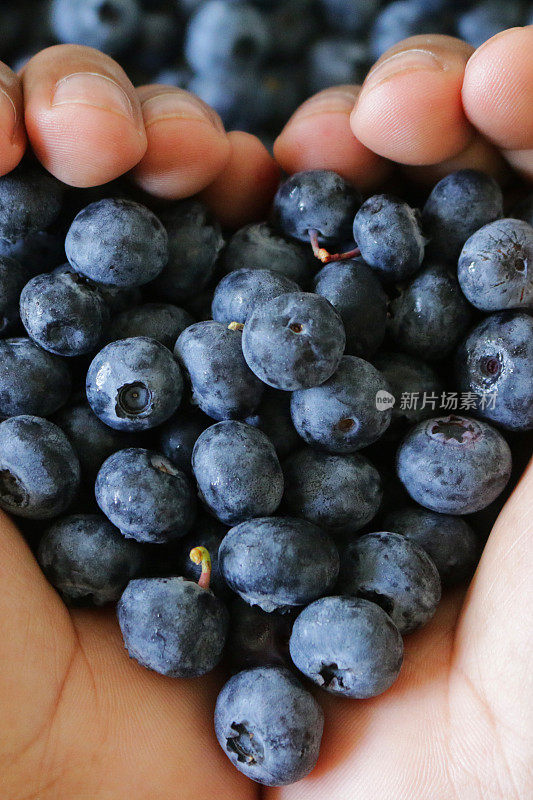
[12,134]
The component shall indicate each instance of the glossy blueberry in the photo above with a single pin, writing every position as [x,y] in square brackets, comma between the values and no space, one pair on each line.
[294,341]
[258,246]
[350,16]
[117,242]
[273,417]
[389,236]
[454,465]
[87,559]
[39,470]
[164,505]
[430,314]
[402,19]
[340,493]
[458,206]
[30,200]
[160,321]
[335,61]
[37,252]
[348,646]
[222,384]
[237,471]
[108,25]
[449,541]
[278,563]
[341,415]
[134,384]
[178,436]
[13,277]
[239,292]
[269,726]
[257,638]
[495,266]
[355,291]
[524,209]
[409,377]
[206,532]
[487,18]
[317,200]
[31,380]
[495,362]
[393,572]
[173,626]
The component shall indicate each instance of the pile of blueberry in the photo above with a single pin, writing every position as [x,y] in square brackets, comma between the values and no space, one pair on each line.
[222,437]
[253,61]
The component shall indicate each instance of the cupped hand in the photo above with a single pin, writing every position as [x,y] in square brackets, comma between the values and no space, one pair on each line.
[79,719]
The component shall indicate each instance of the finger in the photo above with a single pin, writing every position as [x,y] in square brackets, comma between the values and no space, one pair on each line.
[83,116]
[244,190]
[187,144]
[497,93]
[409,109]
[12,134]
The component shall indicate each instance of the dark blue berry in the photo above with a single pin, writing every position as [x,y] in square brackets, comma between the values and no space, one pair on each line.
[409,377]
[273,417]
[32,381]
[13,277]
[160,321]
[258,246]
[239,292]
[30,200]
[178,436]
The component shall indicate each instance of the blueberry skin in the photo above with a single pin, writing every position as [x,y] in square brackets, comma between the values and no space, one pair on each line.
[487,18]
[454,465]
[13,277]
[194,243]
[278,563]
[177,437]
[524,210]
[30,200]
[273,417]
[172,626]
[134,384]
[31,380]
[335,61]
[347,646]
[107,25]
[239,292]
[341,494]
[494,266]
[341,415]
[87,559]
[430,315]
[64,313]
[269,726]
[458,206]
[389,236]
[449,541]
[409,375]
[355,291]
[164,507]
[316,200]
[40,251]
[206,532]
[160,321]
[495,361]
[258,246]
[222,384]
[237,97]
[294,341]
[237,471]
[117,242]
[256,638]
[350,16]
[39,470]
[402,19]
[393,572]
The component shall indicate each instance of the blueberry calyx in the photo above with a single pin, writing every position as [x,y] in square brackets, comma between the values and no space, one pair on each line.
[246,746]
[133,399]
[454,430]
[12,492]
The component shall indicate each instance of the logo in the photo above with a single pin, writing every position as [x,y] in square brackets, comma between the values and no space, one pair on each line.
[384,400]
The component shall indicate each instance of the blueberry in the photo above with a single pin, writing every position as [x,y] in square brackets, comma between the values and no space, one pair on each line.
[222,384]
[238,473]
[117,242]
[31,380]
[389,236]
[239,292]
[495,362]
[393,572]
[273,417]
[402,19]
[449,541]
[13,277]
[339,493]
[342,415]
[178,436]
[348,646]
[494,266]
[269,726]
[317,200]
[40,251]
[458,206]
[87,559]
[278,563]
[408,377]
[256,638]
[172,626]
[430,315]
[294,341]
[454,465]
[350,16]
[30,200]
[194,242]
[355,291]
[487,18]
[160,321]
[335,61]
[134,384]
[164,506]
[257,246]
[206,532]
[524,209]
[39,470]
[108,25]
[237,96]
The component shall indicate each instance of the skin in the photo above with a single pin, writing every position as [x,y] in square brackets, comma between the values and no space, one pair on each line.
[82,720]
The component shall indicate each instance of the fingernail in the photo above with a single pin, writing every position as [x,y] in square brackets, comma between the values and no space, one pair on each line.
[330,101]
[407,61]
[8,114]
[177,105]
[91,89]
